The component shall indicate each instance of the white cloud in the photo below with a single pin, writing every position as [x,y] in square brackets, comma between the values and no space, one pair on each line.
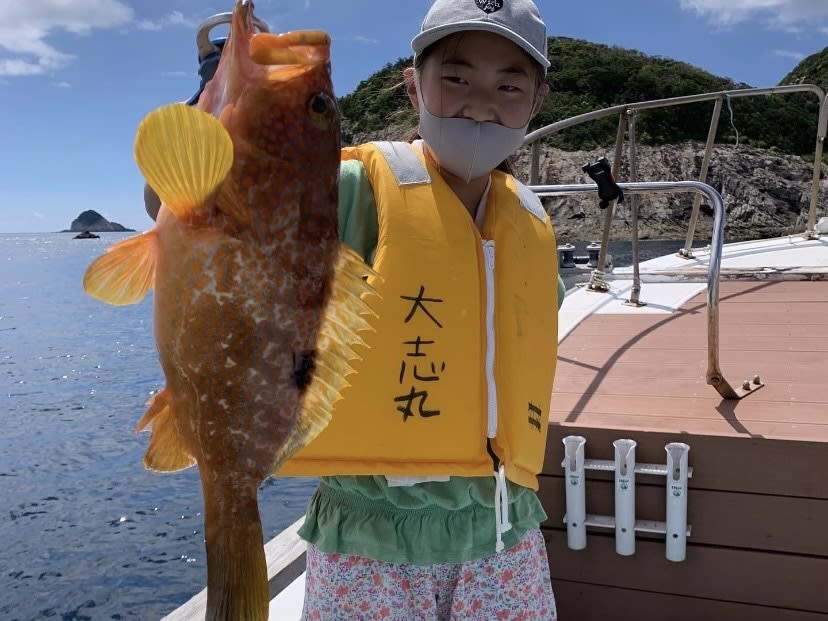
[61,84]
[366,40]
[788,54]
[178,74]
[18,66]
[176,18]
[25,27]
[784,14]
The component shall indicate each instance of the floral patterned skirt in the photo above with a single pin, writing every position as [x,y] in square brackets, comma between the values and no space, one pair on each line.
[509,586]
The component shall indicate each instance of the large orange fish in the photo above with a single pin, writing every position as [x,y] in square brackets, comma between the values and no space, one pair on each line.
[256,303]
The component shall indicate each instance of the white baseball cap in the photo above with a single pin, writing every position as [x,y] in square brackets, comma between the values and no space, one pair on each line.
[517,20]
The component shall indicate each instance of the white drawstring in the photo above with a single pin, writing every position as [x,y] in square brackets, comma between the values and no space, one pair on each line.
[498,517]
[491,386]
[501,502]
[504,492]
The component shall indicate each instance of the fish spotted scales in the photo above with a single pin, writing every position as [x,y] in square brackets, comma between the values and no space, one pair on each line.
[256,306]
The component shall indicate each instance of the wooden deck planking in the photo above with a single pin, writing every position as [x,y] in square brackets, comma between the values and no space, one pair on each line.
[757,338]
[668,361]
[758,497]
[680,426]
[590,602]
[648,370]
[757,465]
[751,315]
[582,384]
[709,572]
[762,521]
[783,410]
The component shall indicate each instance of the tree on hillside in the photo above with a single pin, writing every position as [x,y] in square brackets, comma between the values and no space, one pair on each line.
[588,76]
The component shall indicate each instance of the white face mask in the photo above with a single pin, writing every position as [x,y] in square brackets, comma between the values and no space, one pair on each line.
[466,148]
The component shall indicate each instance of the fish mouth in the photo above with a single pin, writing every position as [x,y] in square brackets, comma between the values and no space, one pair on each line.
[283,56]
[289,54]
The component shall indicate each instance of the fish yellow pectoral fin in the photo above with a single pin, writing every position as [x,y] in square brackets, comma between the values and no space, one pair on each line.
[125,273]
[166,451]
[184,154]
[342,325]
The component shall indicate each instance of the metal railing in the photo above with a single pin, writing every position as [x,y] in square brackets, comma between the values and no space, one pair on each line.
[626,125]
[714,373]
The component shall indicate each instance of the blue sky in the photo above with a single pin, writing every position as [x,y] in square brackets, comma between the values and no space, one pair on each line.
[77,76]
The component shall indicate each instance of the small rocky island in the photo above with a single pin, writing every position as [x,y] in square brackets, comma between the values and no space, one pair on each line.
[90,221]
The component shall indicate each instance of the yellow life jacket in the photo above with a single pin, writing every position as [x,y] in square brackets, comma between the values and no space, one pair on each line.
[463,357]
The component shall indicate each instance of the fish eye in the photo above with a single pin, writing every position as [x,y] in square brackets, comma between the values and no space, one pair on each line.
[318,104]
[322,109]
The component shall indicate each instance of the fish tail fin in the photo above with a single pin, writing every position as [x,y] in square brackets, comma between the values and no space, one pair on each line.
[343,322]
[237,585]
[125,273]
[166,451]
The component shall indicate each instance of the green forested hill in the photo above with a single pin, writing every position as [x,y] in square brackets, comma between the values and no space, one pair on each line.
[588,76]
[812,70]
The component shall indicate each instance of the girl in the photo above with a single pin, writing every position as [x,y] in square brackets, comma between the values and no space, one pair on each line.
[436,396]
[426,508]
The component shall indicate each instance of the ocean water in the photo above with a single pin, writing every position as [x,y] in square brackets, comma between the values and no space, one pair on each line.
[621,252]
[85,531]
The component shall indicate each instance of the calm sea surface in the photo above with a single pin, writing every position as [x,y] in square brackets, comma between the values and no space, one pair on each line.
[621,252]
[85,531]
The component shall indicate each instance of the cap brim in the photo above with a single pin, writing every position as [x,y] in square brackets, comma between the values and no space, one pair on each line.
[432,35]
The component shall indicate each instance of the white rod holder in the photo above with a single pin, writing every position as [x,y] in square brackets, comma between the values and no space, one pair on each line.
[676,535]
[575,492]
[676,471]
[625,496]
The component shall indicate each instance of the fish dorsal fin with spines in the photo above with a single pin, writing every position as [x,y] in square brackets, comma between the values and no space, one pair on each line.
[184,154]
[346,316]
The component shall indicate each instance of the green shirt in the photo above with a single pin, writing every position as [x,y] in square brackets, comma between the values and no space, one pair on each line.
[435,522]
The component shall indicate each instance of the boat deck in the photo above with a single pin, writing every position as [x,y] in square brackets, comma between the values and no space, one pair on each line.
[758,497]
[647,371]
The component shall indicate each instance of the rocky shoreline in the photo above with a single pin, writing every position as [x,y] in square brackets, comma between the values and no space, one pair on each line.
[766,193]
